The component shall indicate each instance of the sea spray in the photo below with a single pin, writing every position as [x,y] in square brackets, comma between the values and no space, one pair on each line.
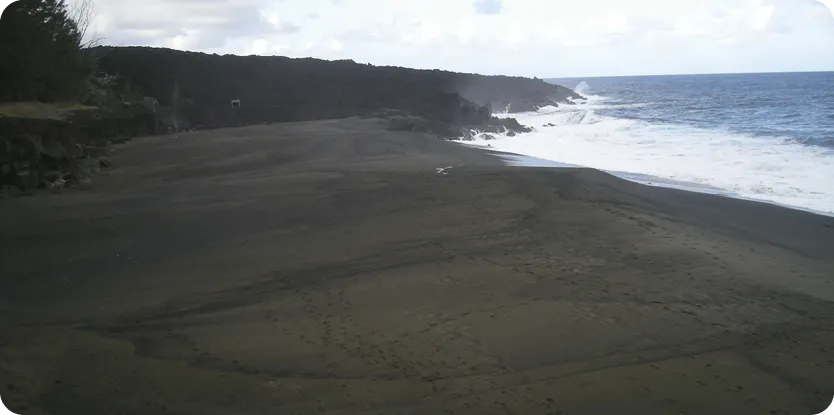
[669,141]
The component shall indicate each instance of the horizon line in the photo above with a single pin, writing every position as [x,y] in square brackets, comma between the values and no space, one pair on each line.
[692,74]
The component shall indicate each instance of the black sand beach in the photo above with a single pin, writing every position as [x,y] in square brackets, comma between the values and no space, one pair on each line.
[328,267]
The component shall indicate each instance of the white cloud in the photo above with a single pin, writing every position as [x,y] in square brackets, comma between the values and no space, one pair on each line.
[761,17]
[335,45]
[465,31]
[488,6]
[281,25]
[525,37]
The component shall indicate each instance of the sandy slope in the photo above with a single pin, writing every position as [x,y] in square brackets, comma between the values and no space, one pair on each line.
[328,268]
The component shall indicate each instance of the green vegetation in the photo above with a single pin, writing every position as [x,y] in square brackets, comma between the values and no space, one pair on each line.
[44,110]
[42,52]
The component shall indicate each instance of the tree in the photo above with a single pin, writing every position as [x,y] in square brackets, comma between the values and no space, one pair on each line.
[83,12]
[41,53]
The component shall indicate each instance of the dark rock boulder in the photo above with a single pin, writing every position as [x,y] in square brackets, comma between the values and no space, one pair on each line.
[509,125]
[118,125]
[20,161]
[10,191]
[495,126]
[55,150]
[49,154]
[96,151]
[53,175]
[451,117]
[52,180]
[79,178]
[440,129]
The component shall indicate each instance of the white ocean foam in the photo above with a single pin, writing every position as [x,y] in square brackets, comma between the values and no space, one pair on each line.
[582,88]
[760,168]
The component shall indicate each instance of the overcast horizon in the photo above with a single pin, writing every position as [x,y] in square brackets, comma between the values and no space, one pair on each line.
[556,39]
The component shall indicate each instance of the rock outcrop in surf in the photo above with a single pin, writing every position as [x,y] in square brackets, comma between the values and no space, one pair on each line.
[451,117]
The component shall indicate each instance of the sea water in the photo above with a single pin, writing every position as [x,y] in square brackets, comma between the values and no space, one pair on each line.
[767,137]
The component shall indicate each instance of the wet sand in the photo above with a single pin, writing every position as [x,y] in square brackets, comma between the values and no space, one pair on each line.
[328,267]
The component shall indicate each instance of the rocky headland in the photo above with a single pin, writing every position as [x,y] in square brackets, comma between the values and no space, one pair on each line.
[162,91]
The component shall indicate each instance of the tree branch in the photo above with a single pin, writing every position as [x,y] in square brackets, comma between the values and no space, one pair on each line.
[83,13]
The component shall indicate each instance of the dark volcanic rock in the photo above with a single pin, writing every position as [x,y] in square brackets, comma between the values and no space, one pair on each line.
[514,94]
[441,129]
[38,153]
[280,89]
[20,157]
[494,126]
[453,120]
[510,124]
[208,91]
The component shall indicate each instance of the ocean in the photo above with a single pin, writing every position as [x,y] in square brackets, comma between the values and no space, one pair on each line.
[767,137]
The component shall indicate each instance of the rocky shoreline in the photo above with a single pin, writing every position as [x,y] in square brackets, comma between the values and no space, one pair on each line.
[227,91]
[452,119]
[160,91]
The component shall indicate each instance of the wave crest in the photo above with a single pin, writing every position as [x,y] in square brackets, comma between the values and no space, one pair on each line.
[773,169]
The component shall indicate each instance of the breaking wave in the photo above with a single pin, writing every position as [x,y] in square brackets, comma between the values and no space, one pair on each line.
[771,168]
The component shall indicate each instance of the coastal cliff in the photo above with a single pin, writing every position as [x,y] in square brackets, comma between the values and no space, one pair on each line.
[144,91]
[220,91]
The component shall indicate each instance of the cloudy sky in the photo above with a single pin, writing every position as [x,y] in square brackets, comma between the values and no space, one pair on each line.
[545,38]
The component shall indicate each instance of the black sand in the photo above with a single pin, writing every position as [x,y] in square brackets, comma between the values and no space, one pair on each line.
[327,267]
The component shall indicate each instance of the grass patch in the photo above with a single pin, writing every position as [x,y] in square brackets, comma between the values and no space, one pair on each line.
[42,110]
